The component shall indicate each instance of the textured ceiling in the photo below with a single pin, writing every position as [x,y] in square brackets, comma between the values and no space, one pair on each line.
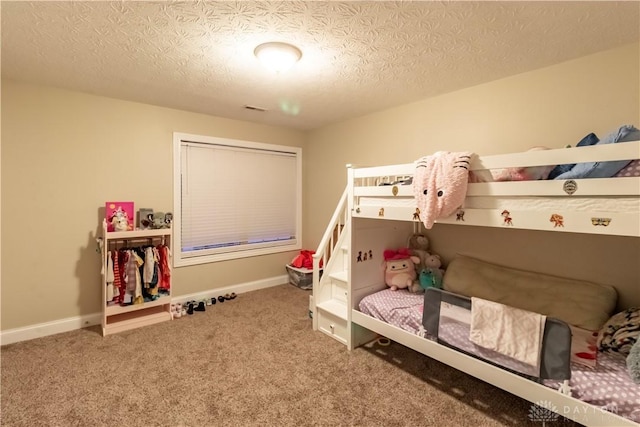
[358,57]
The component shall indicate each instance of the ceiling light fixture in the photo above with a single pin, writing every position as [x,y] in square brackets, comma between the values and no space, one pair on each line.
[278,56]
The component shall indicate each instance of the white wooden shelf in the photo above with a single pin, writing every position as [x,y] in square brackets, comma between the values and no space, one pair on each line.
[136,234]
[119,318]
[112,310]
[135,319]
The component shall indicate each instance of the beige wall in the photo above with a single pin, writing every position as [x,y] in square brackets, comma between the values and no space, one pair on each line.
[63,155]
[553,106]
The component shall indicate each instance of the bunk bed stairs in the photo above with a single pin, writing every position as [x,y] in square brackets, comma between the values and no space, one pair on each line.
[328,302]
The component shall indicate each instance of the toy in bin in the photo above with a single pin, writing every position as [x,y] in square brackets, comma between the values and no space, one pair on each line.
[300,270]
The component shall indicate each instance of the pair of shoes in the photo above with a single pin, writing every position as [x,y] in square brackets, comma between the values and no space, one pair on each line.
[221,298]
[230,296]
[200,307]
[213,301]
[176,311]
[189,307]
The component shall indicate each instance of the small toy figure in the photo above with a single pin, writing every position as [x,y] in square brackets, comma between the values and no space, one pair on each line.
[557,220]
[507,218]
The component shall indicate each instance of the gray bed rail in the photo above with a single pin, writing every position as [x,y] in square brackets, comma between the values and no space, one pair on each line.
[556,342]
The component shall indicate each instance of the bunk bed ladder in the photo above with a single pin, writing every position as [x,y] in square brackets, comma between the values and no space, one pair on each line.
[328,302]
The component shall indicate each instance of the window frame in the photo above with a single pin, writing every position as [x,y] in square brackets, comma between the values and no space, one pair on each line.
[180,258]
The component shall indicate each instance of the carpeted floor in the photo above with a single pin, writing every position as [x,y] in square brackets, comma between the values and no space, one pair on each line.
[252,361]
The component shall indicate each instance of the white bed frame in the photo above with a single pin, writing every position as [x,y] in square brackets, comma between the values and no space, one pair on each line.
[367,199]
[620,217]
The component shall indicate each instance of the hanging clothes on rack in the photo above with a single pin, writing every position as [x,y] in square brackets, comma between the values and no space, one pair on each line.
[118,292]
[165,267]
[110,277]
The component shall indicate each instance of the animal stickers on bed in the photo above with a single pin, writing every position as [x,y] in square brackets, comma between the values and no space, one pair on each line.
[416,215]
[601,221]
[557,220]
[506,217]
[440,184]
[460,215]
[364,256]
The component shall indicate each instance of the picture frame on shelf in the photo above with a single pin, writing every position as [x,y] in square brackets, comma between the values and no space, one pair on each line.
[143,218]
[119,216]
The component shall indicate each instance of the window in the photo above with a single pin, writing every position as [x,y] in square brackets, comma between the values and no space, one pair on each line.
[234,199]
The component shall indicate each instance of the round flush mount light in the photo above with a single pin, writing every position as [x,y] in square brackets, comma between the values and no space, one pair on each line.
[278,56]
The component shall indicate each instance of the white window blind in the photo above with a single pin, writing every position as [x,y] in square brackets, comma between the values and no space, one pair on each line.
[236,199]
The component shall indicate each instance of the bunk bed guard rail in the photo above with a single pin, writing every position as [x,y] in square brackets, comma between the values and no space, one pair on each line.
[556,343]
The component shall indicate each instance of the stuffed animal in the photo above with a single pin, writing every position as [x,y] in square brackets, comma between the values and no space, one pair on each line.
[523,173]
[157,220]
[120,220]
[419,246]
[431,275]
[440,184]
[168,219]
[400,270]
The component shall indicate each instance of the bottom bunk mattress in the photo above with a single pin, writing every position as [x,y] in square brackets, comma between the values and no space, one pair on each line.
[607,386]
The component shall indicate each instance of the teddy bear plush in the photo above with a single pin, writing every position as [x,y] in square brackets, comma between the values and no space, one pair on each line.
[430,276]
[419,246]
[400,270]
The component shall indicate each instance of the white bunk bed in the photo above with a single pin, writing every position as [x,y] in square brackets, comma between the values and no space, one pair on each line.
[581,202]
[608,206]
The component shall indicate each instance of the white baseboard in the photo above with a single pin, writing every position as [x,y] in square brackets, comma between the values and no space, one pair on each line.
[238,289]
[40,330]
